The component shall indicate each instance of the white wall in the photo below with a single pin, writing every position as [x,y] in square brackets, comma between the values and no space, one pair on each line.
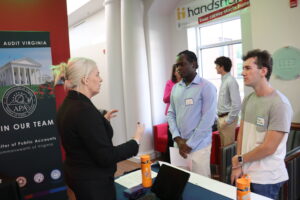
[160,66]
[161,50]
[159,63]
[179,37]
[276,25]
[88,40]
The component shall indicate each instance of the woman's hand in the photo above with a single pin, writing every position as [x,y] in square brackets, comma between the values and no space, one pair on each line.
[139,131]
[111,114]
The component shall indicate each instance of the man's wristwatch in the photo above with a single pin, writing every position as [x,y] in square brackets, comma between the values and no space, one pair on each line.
[240,159]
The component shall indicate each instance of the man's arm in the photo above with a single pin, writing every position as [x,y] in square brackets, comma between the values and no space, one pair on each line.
[268,147]
[280,119]
[184,149]
[208,113]
[171,116]
[235,98]
[236,171]
[240,138]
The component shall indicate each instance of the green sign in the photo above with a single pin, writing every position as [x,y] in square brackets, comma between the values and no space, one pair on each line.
[287,63]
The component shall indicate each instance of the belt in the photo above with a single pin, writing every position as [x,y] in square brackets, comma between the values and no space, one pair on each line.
[223,114]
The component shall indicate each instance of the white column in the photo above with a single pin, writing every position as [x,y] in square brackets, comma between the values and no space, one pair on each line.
[36,74]
[114,67]
[135,71]
[33,76]
[24,75]
[29,75]
[19,75]
[28,78]
[40,76]
[8,78]
[13,76]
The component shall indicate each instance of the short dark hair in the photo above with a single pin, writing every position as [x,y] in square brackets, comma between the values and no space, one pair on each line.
[173,77]
[225,62]
[263,59]
[191,56]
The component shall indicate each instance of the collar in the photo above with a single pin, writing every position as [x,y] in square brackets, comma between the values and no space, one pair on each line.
[72,94]
[224,77]
[197,80]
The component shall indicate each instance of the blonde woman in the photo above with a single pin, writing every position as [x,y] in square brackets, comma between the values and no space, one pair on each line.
[87,135]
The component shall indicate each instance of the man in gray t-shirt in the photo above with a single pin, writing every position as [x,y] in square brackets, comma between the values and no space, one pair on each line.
[265,122]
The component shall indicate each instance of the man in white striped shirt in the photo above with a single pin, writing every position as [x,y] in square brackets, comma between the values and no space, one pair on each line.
[229,101]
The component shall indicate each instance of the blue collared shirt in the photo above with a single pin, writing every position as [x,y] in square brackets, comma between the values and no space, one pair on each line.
[192,112]
[229,98]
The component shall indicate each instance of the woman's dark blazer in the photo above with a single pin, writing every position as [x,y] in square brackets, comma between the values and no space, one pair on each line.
[87,139]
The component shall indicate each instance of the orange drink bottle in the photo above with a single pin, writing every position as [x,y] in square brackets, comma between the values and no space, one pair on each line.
[243,187]
[146,171]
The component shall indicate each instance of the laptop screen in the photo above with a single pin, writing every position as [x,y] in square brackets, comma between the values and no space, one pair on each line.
[170,183]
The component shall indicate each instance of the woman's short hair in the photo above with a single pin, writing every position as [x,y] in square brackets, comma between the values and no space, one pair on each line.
[73,71]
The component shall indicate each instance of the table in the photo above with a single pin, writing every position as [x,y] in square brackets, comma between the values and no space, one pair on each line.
[200,187]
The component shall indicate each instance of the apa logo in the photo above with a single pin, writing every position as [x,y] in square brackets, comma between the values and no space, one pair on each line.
[181,14]
[19,102]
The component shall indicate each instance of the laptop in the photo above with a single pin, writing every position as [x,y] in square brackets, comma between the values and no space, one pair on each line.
[168,185]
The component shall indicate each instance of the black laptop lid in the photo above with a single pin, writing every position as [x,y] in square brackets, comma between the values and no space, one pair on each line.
[169,183]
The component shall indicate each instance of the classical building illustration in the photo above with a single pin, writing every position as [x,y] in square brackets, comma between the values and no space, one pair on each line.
[23,71]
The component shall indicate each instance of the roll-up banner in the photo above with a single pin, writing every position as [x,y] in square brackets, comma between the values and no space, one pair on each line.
[29,141]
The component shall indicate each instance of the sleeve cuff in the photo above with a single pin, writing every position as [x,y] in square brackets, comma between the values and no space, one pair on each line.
[189,144]
[138,142]
[175,134]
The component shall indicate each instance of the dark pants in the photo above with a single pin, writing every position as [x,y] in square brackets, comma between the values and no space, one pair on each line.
[101,189]
[268,190]
[166,155]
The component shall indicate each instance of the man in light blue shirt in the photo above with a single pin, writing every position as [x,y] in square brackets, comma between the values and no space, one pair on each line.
[229,102]
[192,113]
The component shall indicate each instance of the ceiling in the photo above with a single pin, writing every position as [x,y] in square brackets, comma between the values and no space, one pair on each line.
[157,7]
[88,9]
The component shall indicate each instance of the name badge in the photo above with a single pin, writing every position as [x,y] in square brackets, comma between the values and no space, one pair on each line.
[260,121]
[189,102]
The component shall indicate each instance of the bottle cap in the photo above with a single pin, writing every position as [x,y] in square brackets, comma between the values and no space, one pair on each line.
[244,181]
[145,157]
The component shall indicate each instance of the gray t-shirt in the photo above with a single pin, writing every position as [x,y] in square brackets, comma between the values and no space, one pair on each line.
[262,114]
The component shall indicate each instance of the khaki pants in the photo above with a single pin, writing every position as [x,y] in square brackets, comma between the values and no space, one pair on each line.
[227,131]
[201,161]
